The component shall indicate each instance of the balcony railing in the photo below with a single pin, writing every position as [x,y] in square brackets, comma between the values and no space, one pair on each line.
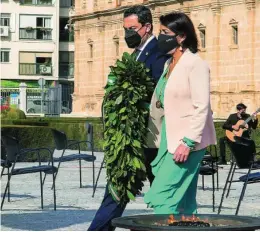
[35,69]
[35,33]
[66,36]
[66,70]
[37,2]
[67,3]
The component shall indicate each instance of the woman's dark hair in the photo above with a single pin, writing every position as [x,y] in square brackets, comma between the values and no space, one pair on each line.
[181,24]
[142,12]
[241,106]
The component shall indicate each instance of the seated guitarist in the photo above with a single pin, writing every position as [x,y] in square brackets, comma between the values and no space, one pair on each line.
[230,124]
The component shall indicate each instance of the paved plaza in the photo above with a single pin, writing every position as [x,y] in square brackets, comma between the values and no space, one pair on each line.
[76,207]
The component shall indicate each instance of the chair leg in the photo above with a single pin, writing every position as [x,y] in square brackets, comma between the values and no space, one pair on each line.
[41,190]
[213,192]
[217,178]
[9,186]
[55,175]
[80,174]
[243,190]
[99,172]
[2,172]
[93,172]
[230,182]
[241,197]
[6,188]
[45,174]
[54,190]
[224,190]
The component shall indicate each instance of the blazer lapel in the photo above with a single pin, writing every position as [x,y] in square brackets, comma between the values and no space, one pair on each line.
[147,50]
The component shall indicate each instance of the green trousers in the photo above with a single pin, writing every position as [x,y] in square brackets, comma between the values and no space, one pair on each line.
[175,185]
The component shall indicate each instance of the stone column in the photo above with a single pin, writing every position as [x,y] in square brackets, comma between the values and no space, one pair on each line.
[23,100]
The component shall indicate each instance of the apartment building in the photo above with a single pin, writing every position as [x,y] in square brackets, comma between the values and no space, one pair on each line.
[37,42]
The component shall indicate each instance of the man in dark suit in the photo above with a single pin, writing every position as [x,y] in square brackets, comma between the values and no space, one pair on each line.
[139,36]
[230,124]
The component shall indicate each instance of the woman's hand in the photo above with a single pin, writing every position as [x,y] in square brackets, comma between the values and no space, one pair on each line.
[181,154]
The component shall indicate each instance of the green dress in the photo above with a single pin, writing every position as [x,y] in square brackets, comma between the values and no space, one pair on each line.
[174,188]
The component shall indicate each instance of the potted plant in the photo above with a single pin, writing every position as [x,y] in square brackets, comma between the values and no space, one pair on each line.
[28,28]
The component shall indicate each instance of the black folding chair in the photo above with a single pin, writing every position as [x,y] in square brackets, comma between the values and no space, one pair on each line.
[103,161]
[6,164]
[13,152]
[243,152]
[62,143]
[209,167]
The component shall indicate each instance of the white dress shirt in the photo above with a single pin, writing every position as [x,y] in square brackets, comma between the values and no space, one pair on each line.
[141,48]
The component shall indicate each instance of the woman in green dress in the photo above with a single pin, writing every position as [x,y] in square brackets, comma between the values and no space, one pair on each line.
[180,120]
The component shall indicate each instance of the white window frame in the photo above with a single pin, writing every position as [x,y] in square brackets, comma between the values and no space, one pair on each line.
[4,16]
[3,50]
[43,20]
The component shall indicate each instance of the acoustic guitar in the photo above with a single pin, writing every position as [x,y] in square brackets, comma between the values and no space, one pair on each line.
[242,125]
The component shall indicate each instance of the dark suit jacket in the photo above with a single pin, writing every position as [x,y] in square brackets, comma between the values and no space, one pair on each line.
[153,59]
[233,119]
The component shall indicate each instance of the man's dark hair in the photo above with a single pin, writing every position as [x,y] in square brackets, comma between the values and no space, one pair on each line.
[241,106]
[181,24]
[143,13]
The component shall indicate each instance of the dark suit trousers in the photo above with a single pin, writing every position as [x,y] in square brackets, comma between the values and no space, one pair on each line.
[109,209]
[222,148]
[150,154]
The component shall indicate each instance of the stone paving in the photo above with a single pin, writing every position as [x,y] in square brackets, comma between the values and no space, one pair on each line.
[76,208]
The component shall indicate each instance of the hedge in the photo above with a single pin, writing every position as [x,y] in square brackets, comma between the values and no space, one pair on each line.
[35,132]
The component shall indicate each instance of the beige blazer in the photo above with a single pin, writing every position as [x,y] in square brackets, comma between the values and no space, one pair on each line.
[187,107]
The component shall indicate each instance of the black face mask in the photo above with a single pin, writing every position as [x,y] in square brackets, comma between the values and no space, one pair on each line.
[132,38]
[166,43]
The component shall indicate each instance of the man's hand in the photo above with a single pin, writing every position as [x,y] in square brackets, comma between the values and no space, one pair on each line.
[181,154]
[254,116]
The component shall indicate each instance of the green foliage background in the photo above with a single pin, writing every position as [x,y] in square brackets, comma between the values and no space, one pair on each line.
[40,136]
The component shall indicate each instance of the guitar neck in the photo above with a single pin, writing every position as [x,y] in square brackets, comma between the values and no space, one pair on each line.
[250,118]
[247,120]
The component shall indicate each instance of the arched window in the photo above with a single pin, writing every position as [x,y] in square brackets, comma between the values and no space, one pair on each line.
[202,34]
[116,45]
[234,27]
[90,49]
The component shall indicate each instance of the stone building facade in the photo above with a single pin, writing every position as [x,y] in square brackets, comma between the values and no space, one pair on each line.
[229,35]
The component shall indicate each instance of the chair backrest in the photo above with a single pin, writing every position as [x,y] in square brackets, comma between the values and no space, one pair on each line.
[243,150]
[12,147]
[89,129]
[60,139]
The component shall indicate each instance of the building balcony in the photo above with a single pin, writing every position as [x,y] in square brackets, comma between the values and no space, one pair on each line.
[66,70]
[37,2]
[35,69]
[67,3]
[30,33]
[66,36]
